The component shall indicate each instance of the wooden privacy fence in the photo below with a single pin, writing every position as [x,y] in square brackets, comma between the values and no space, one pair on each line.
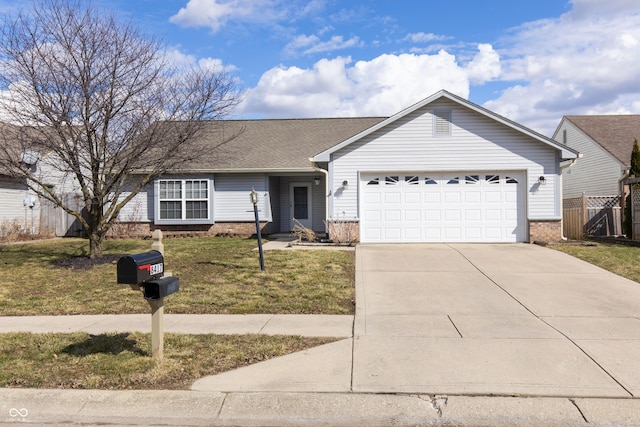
[591,216]
[55,221]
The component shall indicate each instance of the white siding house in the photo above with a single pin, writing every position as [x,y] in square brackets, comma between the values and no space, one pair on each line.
[21,208]
[16,210]
[442,170]
[605,142]
[447,170]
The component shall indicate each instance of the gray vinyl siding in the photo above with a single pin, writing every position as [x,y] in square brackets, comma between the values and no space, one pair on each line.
[597,173]
[52,171]
[12,209]
[232,200]
[140,208]
[274,194]
[318,201]
[475,143]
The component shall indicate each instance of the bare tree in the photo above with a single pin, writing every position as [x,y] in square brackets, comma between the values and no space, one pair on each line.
[102,101]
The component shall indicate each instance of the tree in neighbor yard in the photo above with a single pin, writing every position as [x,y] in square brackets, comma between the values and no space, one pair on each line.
[635,160]
[103,102]
[634,170]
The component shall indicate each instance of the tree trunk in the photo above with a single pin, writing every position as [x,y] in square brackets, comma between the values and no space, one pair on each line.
[95,245]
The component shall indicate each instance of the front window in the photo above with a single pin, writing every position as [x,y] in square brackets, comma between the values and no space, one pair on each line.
[184,199]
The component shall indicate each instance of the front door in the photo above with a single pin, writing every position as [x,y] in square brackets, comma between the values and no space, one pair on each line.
[300,204]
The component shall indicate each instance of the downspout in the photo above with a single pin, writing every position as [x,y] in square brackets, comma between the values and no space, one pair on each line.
[326,192]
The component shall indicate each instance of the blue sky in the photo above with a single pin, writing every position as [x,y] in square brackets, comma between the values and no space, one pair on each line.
[531,61]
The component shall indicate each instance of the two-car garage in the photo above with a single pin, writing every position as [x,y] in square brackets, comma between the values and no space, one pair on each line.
[447,170]
[442,207]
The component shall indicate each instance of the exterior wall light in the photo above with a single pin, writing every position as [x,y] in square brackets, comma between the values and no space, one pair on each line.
[345,184]
[316,180]
[542,180]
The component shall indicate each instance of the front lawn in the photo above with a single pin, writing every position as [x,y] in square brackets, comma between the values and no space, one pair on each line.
[619,259]
[217,276]
[123,360]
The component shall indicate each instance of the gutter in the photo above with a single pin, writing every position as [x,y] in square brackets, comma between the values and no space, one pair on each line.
[247,170]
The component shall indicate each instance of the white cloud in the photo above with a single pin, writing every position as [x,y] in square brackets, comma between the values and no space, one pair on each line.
[180,60]
[585,61]
[308,45]
[485,66]
[207,13]
[215,14]
[424,37]
[339,87]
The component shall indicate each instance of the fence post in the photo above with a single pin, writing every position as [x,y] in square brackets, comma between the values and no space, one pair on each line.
[585,216]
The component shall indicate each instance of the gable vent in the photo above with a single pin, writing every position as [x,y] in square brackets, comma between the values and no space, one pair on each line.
[442,122]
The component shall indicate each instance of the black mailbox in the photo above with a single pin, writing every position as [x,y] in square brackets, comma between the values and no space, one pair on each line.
[139,268]
[159,288]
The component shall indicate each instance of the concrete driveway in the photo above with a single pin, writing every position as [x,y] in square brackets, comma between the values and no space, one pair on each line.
[470,319]
[493,319]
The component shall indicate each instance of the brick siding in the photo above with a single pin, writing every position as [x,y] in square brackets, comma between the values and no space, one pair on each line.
[545,231]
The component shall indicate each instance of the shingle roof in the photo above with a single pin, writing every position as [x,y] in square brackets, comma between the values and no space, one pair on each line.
[276,144]
[615,133]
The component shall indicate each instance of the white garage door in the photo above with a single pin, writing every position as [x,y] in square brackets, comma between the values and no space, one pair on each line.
[442,207]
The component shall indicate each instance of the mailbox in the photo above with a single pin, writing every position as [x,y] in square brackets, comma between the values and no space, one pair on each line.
[159,288]
[139,268]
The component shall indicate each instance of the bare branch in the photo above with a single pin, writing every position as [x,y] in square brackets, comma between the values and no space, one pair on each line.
[101,103]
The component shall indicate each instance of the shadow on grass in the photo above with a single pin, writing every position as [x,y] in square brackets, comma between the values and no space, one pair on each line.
[82,262]
[105,344]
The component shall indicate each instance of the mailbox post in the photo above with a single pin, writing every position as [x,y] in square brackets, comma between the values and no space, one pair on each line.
[145,272]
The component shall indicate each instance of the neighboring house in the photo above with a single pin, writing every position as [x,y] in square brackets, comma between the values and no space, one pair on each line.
[15,215]
[19,211]
[606,143]
[442,170]
[20,208]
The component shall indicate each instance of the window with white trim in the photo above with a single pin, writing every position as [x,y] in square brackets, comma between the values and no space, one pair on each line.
[183,200]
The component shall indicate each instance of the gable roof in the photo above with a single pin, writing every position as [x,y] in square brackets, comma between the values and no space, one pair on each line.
[615,133]
[280,145]
[567,153]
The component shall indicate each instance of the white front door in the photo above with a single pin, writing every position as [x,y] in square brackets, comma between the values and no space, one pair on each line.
[300,204]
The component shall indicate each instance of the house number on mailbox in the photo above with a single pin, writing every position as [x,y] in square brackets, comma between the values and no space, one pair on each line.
[153,268]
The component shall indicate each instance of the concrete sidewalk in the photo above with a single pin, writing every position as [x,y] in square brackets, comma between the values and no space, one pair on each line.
[269,324]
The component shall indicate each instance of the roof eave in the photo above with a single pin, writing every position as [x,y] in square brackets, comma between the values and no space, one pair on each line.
[233,170]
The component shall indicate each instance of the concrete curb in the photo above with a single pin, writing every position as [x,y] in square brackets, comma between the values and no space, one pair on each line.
[192,408]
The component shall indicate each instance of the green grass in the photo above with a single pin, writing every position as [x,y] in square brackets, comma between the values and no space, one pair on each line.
[217,276]
[619,259]
[123,360]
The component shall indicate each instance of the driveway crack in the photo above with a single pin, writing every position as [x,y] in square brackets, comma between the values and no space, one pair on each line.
[437,402]
[579,410]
